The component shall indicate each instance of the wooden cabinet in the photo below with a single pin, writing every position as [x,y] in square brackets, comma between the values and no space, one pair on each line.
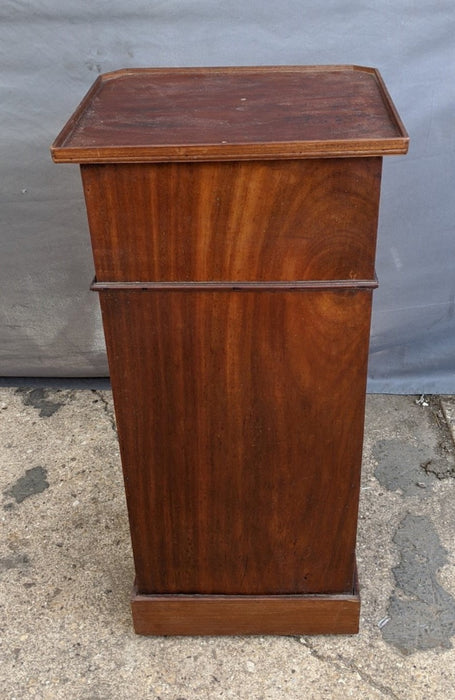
[233,216]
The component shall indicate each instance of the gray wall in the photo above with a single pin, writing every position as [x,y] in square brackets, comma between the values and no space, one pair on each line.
[52,50]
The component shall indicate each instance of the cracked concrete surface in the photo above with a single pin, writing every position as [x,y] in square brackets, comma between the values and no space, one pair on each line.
[343,664]
[400,467]
[66,570]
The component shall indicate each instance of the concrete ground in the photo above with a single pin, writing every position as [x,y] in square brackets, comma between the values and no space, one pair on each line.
[66,569]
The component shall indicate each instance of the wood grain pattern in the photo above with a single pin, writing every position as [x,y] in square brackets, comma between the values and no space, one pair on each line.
[240,419]
[215,615]
[290,220]
[156,115]
[233,228]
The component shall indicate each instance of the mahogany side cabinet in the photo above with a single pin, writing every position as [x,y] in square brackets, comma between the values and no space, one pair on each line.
[233,216]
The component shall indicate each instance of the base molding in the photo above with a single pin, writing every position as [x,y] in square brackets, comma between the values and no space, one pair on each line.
[180,614]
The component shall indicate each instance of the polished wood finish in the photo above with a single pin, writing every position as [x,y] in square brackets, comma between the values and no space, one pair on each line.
[165,114]
[242,473]
[234,239]
[215,615]
[318,220]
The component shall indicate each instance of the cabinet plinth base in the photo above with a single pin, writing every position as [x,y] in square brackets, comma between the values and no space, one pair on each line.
[245,614]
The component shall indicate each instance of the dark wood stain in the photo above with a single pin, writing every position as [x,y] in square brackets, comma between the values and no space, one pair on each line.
[233,216]
[231,114]
[215,615]
[288,220]
[241,466]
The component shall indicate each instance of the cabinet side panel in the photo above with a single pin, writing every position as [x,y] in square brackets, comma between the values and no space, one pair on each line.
[276,220]
[240,419]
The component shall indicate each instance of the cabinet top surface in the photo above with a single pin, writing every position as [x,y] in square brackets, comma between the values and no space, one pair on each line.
[184,114]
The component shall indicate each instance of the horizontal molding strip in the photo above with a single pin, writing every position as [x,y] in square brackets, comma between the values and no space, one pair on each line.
[225,286]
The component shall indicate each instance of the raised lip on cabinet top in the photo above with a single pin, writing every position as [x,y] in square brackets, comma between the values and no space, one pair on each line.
[146,115]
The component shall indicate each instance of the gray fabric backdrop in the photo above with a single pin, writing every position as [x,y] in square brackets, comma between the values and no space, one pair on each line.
[52,50]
